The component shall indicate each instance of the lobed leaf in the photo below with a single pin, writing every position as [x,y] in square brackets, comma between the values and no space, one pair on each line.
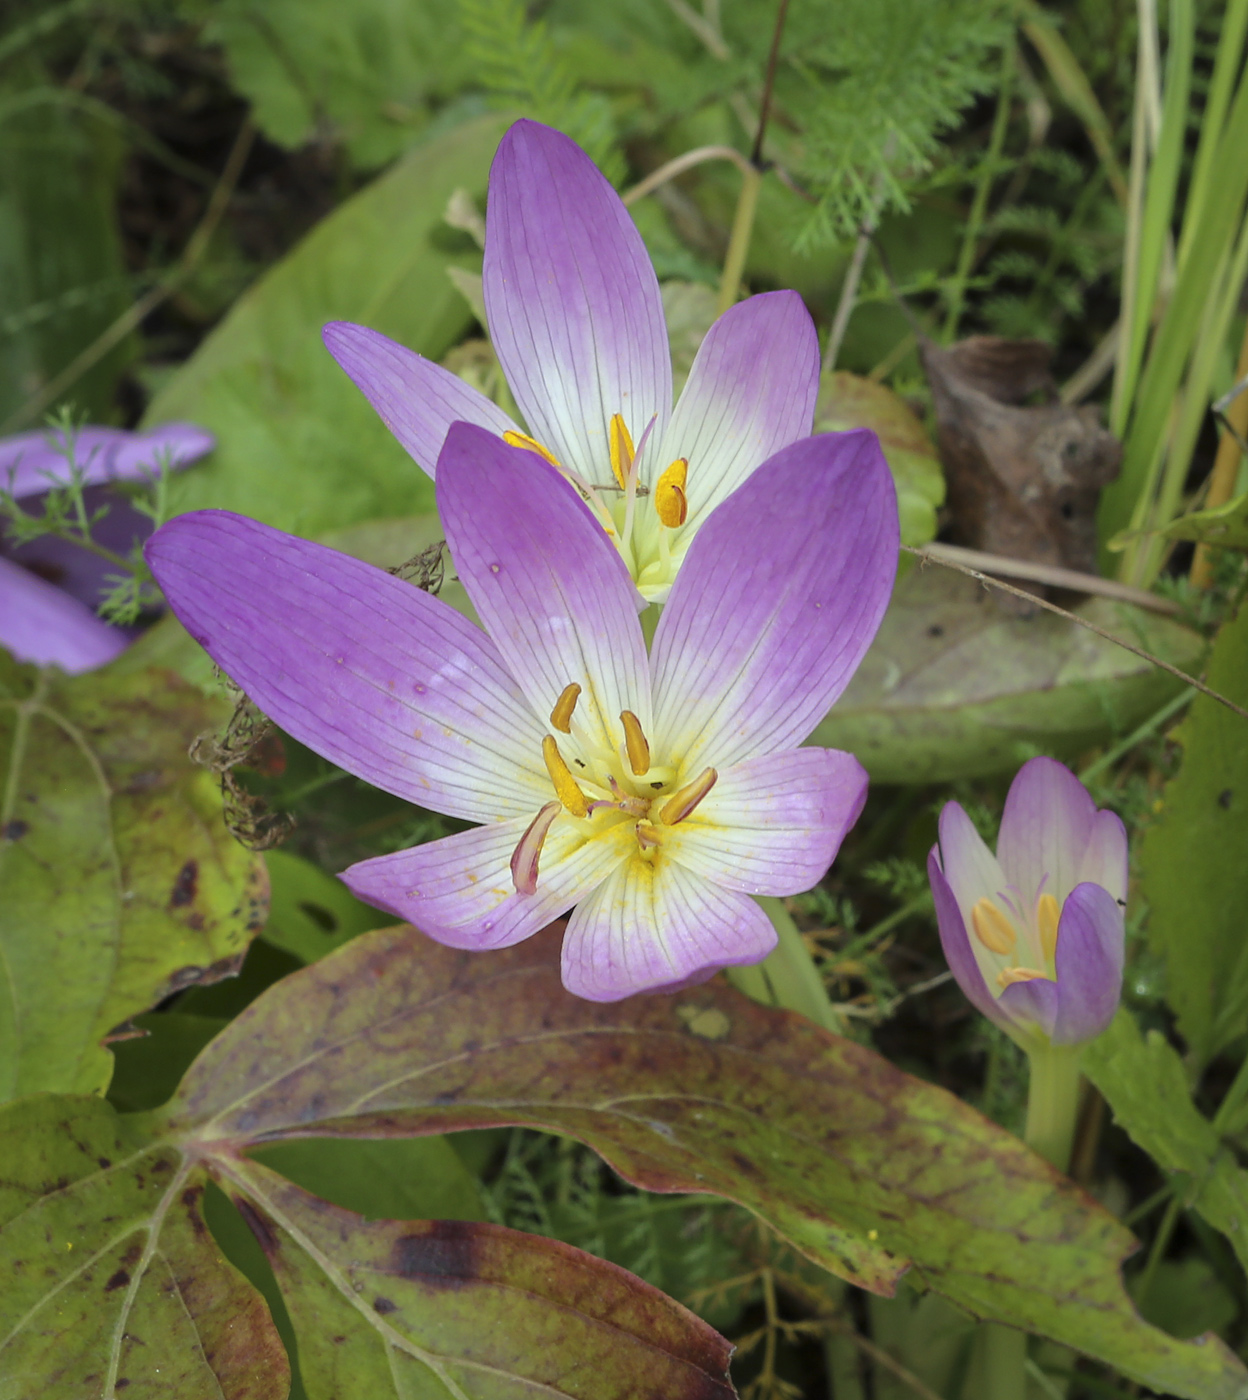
[864,1169]
[119,884]
[1224,526]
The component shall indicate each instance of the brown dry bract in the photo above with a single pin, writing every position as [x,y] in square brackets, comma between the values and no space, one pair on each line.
[1023,480]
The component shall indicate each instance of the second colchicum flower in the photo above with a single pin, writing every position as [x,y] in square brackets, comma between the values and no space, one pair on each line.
[654,792]
[576,317]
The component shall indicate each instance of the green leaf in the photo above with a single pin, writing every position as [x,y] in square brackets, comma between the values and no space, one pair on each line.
[1225,526]
[955,687]
[119,883]
[1145,1083]
[850,401]
[1192,871]
[298,444]
[453,1309]
[367,72]
[310,912]
[865,1170]
[113,1285]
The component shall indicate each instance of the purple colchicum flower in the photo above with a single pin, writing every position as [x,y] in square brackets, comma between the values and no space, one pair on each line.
[33,463]
[1034,935]
[39,623]
[654,792]
[576,317]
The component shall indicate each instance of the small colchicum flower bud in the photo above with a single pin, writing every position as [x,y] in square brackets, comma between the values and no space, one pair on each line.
[1034,934]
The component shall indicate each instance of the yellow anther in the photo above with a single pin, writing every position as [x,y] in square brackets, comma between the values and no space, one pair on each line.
[636,744]
[681,803]
[621,445]
[992,928]
[561,715]
[525,857]
[647,836]
[566,789]
[669,494]
[515,439]
[1009,975]
[1048,914]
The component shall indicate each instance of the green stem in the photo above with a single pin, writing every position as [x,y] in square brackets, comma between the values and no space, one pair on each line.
[1155,721]
[739,240]
[788,977]
[1053,1103]
[1003,1362]
[1161,1242]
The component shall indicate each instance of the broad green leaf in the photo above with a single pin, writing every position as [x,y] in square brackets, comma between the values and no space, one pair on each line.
[1225,526]
[1192,868]
[850,401]
[298,444]
[364,72]
[113,1286]
[310,912]
[1145,1084]
[955,687]
[119,883]
[864,1169]
[453,1309]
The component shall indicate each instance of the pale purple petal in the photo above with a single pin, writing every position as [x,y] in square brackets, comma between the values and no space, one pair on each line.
[1032,1006]
[375,675]
[772,825]
[31,463]
[654,927]
[1090,941]
[971,869]
[77,571]
[415,398]
[956,942]
[545,580]
[1045,829]
[751,391]
[1105,857]
[459,890]
[776,602]
[572,300]
[39,623]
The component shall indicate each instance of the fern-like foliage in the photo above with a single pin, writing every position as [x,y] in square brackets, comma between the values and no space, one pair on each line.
[518,65]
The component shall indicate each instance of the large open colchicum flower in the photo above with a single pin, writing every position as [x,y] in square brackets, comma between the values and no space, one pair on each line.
[1034,935]
[576,317]
[652,793]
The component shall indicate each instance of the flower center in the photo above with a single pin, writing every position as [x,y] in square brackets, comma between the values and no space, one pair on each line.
[606,789]
[996,931]
[646,551]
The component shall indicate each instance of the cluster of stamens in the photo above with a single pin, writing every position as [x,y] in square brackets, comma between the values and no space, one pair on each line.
[995,930]
[643,797]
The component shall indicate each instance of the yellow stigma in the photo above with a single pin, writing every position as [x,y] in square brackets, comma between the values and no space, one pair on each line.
[1009,975]
[1047,915]
[681,803]
[669,494]
[515,439]
[992,928]
[561,715]
[621,445]
[566,789]
[636,744]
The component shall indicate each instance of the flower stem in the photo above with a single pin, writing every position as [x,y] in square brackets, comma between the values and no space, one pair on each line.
[788,977]
[1053,1103]
[739,240]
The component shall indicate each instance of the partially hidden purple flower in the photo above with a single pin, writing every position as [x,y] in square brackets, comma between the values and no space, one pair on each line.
[49,586]
[1034,934]
[576,317]
[655,792]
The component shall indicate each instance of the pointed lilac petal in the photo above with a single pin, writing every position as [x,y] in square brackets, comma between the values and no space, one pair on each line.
[1090,941]
[1104,860]
[772,825]
[39,623]
[380,678]
[459,890]
[572,300]
[545,580]
[415,398]
[971,869]
[956,942]
[751,391]
[776,602]
[31,463]
[1045,829]
[652,927]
